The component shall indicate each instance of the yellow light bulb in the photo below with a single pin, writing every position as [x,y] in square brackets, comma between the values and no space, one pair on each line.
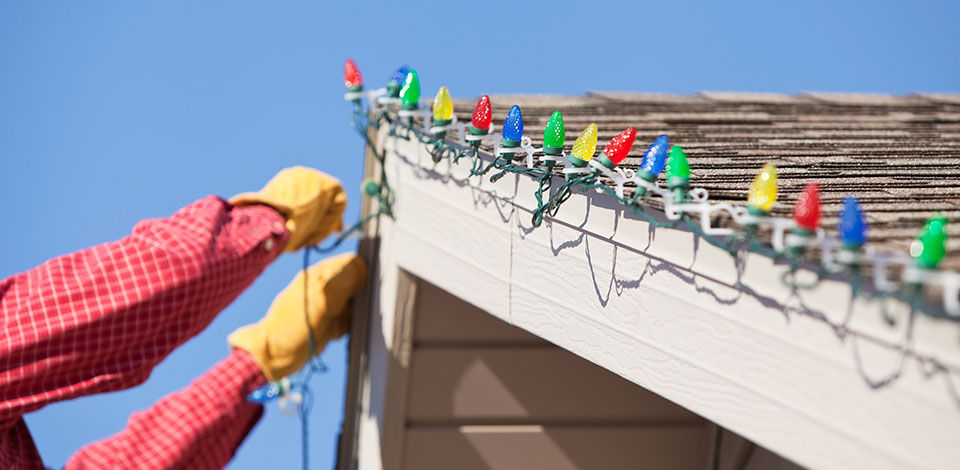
[442,105]
[763,192]
[586,144]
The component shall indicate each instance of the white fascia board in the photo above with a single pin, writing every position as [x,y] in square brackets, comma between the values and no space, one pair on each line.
[722,337]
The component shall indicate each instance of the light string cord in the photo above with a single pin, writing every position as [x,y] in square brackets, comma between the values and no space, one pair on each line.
[301,382]
[440,148]
[314,364]
[543,185]
[385,198]
[737,242]
[697,207]
[693,209]
[361,123]
[911,294]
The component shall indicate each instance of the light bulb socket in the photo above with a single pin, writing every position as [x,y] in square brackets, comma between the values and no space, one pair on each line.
[678,182]
[441,134]
[477,131]
[849,255]
[854,247]
[577,162]
[680,186]
[797,250]
[408,106]
[797,240]
[606,161]
[754,210]
[552,151]
[510,144]
[679,194]
[355,91]
[648,177]
[393,89]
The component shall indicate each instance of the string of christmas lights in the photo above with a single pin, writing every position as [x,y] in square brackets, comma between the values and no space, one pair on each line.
[792,237]
[295,396]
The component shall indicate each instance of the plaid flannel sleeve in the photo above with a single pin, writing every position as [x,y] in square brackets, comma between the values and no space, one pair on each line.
[199,427]
[100,319]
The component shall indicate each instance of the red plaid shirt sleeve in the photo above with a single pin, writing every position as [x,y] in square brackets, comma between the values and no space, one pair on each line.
[100,319]
[199,427]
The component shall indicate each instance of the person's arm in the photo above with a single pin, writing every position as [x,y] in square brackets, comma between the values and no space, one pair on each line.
[102,318]
[17,450]
[199,427]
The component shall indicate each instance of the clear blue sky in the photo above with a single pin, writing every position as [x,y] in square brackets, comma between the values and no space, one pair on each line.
[115,111]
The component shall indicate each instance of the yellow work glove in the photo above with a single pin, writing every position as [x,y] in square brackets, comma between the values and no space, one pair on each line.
[311,201]
[280,342]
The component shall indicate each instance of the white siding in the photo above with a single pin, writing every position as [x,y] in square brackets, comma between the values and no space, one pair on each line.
[667,311]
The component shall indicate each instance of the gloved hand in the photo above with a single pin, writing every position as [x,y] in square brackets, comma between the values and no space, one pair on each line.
[279,343]
[311,201]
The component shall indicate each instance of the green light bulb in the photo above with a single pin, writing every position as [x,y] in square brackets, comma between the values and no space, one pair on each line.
[931,245]
[678,172]
[554,135]
[410,93]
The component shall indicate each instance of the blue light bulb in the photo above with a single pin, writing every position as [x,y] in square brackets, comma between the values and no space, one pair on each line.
[399,75]
[513,126]
[852,226]
[656,157]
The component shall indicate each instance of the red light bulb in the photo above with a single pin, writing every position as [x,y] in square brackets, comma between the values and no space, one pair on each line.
[351,75]
[482,114]
[619,146]
[807,211]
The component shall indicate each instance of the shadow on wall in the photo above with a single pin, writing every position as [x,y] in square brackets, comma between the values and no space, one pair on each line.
[898,314]
[485,394]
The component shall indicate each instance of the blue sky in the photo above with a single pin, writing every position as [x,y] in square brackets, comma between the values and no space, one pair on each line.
[113,111]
